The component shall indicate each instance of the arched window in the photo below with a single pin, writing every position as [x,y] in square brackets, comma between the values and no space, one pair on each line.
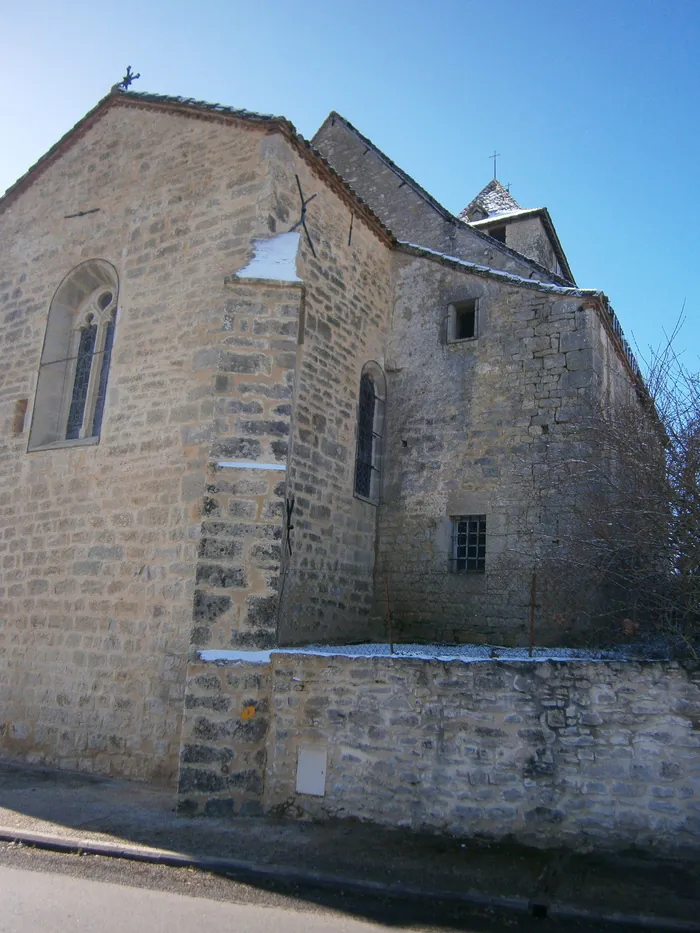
[72,384]
[370,429]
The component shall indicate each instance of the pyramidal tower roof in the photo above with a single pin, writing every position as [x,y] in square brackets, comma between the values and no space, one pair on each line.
[492,200]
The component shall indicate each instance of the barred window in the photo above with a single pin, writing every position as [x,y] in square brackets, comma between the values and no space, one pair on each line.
[370,426]
[469,543]
[72,383]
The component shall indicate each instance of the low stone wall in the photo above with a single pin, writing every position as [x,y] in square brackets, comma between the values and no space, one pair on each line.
[555,752]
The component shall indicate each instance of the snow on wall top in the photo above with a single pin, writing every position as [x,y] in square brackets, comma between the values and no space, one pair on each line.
[435,652]
[273,259]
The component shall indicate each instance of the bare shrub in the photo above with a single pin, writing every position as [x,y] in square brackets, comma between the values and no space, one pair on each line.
[614,534]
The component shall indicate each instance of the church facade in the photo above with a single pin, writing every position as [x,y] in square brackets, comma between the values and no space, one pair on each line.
[257,391]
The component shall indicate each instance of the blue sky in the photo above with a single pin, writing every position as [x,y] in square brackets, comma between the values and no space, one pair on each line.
[593,106]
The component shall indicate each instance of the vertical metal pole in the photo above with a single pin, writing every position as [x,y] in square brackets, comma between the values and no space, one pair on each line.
[388,613]
[533,597]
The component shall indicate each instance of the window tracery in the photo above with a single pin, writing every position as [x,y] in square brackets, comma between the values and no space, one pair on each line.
[72,385]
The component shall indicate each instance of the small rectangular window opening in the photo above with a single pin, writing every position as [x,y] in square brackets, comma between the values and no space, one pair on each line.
[498,233]
[465,323]
[469,543]
[462,320]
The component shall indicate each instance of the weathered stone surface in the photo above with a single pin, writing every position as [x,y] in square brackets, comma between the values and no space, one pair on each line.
[439,739]
[224,751]
[415,217]
[122,558]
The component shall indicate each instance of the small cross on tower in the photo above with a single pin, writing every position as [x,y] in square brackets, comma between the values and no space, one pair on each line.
[494,157]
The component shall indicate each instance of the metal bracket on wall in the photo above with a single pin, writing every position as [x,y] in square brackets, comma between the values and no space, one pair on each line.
[289,504]
[302,220]
[93,210]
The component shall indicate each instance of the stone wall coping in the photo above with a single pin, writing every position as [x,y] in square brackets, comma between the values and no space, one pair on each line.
[235,279]
[466,654]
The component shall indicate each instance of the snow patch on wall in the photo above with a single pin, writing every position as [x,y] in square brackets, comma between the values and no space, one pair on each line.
[274,259]
[231,657]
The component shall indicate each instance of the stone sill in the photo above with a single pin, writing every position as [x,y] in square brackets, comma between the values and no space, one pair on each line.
[61,445]
[373,502]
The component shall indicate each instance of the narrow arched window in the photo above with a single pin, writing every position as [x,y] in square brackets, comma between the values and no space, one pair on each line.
[72,384]
[370,426]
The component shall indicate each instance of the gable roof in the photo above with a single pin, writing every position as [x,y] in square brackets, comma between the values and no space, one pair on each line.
[492,199]
[334,117]
[199,109]
[523,214]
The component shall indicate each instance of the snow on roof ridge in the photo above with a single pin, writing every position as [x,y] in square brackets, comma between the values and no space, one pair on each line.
[504,215]
[510,277]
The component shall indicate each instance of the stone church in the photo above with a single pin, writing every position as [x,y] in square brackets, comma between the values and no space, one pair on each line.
[257,391]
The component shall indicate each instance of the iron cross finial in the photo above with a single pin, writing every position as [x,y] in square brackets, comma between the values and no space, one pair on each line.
[494,157]
[128,78]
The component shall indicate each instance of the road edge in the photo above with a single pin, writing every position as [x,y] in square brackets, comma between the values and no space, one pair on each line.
[321,879]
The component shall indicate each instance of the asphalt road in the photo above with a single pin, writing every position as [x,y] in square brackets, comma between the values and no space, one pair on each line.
[55,893]
[55,904]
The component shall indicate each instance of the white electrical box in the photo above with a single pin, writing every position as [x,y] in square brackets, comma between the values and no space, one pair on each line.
[311,771]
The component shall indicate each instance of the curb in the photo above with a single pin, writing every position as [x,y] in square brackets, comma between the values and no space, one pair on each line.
[537,907]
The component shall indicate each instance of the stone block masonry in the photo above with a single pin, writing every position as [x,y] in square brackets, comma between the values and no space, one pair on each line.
[237,582]
[223,754]
[238,568]
[347,287]
[119,556]
[231,396]
[555,753]
[486,432]
[99,544]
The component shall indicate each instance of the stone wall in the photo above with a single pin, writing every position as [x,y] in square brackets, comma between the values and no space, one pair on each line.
[98,544]
[489,431]
[286,554]
[237,577]
[103,566]
[554,752]
[224,739]
[327,590]
[530,238]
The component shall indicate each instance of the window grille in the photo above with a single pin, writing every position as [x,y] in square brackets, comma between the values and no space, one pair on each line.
[469,543]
